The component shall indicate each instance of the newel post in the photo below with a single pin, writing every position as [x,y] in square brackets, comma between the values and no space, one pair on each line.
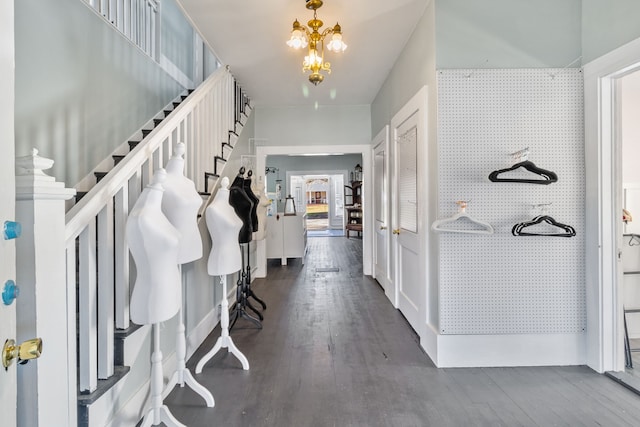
[47,391]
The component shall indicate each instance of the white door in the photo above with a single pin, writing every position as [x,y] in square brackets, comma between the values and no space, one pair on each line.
[7,205]
[336,208]
[409,231]
[381,257]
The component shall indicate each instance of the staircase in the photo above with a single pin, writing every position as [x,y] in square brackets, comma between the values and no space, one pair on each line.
[100,276]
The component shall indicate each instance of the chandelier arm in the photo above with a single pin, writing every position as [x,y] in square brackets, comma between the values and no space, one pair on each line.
[326,32]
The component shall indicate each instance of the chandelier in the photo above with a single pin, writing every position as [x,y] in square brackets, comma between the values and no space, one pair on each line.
[302,36]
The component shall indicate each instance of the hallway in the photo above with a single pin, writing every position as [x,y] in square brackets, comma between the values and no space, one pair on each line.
[334,352]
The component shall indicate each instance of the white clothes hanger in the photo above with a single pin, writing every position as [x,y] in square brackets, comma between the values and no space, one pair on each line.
[440,226]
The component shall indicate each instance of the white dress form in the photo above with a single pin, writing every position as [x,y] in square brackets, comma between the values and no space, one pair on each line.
[225,258]
[181,203]
[263,204]
[153,242]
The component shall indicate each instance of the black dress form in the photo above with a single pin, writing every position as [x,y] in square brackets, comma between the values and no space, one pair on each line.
[242,205]
[254,199]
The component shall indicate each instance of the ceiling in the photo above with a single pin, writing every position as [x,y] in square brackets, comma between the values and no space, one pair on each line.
[249,36]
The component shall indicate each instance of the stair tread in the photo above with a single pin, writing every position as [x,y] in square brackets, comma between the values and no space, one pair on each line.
[85,399]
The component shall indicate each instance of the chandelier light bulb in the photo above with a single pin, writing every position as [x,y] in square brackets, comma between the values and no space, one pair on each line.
[297,40]
[336,44]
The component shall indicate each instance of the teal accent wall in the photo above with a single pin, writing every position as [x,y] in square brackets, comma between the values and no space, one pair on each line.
[177,38]
[414,68]
[607,25]
[508,33]
[82,89]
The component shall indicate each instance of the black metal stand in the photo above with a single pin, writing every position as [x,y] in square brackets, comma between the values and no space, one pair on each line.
[242,299]
[248,282]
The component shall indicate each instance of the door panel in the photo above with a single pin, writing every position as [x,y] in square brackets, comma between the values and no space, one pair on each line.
[381,213]
[8,379]
[409,194]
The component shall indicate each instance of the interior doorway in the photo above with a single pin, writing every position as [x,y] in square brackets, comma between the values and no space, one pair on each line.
[628,180]
[321,196]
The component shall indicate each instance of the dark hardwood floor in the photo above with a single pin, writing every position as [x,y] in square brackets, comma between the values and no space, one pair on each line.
[334,352]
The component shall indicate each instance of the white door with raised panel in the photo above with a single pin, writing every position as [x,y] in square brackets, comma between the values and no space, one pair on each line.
[408,211]
[381,258]
[8,378]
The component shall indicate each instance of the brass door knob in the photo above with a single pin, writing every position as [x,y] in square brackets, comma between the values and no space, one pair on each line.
[396,231]
[382,227]
[30,349]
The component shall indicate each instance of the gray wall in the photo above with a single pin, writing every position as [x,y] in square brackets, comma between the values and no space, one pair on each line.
[414,68]
[508,33]
[607,25]
[82,89]
[177,35]
[345,162]
[325,125]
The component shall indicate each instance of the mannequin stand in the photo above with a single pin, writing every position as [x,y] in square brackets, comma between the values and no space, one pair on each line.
[248,282]
[224,340]
[242,299]
[239,307]
[159,413]
[182,375]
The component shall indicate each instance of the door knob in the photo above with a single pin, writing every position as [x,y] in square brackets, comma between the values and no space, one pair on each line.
[396,231]
[30,349]
[383,227]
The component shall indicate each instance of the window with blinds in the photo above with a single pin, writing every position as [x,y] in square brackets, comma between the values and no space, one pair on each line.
[407,179]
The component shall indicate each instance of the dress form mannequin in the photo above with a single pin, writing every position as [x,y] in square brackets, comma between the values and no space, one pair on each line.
[261,211]
[156,297]
[254,201]
[243,207]
[181,203]
[153,242]
[225,258]
[254,225]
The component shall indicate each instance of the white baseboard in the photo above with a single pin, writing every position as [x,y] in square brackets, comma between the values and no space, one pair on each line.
[198,334]
[457,351]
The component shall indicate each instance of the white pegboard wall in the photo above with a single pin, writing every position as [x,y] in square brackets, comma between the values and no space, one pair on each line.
[500,283]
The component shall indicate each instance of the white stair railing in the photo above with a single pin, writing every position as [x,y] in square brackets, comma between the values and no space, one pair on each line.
[138,20]
[96,251]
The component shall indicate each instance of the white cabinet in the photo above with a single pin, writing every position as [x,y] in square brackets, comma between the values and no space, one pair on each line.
[286,237]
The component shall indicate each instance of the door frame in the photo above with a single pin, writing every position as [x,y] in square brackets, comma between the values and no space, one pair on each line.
[8,324]
[262,151]
[602,151]
[418,103]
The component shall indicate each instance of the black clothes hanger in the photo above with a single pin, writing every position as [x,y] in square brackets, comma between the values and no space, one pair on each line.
[569,231]
[548,176]
[634,240]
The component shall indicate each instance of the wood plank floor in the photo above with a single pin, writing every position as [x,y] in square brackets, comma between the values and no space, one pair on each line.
[334,352]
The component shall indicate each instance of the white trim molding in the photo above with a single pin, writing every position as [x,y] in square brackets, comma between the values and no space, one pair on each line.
[604,348]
